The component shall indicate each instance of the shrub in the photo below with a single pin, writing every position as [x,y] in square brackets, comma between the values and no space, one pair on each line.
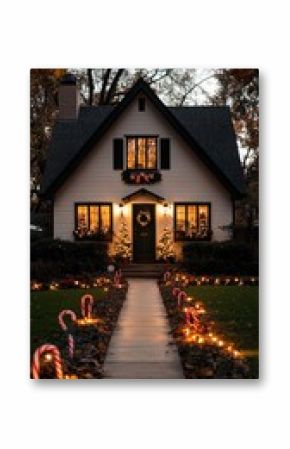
[57,258]
[220,258]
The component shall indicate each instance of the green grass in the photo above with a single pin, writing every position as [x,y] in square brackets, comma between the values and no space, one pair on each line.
[45,307]
[235,311]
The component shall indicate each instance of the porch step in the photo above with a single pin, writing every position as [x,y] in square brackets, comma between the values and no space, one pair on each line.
[144,270]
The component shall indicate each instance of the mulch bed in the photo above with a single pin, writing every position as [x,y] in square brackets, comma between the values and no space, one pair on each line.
[91,342]
[204,361]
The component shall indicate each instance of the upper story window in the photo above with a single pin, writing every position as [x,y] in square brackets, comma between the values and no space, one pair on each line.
[93,221]
[141,152]
[141,104]
[192,221]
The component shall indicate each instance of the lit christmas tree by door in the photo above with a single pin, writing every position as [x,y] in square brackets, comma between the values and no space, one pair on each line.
[122,243]
[165,249]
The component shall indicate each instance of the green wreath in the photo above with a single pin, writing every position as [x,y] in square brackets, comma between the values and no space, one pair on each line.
[143,218]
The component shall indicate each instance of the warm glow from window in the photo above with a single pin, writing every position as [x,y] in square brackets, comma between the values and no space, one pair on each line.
[82,216]
[131,153]
[180,218]
[192,221]
[192,218]
[94,218]
[203,217]
[151,153]
[105,218]
[141,152]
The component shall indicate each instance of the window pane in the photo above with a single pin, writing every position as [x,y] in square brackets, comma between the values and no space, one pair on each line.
[141,152]
[131,152]
[82,212]
[180,218]
[192,219]
[203,212]
[105,218]
[94,218]
[151,153]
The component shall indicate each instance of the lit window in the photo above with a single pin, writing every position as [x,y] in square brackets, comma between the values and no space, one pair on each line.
[192,222]
[142,153]
[93,221]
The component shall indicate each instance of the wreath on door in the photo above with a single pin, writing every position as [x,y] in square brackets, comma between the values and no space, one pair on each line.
[143,218]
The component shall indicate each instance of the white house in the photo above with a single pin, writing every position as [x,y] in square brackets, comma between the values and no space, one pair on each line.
[152,166]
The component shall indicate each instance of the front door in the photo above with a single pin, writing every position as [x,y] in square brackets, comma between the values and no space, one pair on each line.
[144,233]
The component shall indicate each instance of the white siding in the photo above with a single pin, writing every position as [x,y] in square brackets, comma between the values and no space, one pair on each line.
[187,180]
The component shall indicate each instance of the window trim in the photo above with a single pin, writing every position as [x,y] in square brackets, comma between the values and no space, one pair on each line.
[192,203]
[94,203]
[142,136]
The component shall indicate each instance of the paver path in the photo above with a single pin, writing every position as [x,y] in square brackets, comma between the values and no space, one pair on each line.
[139,348]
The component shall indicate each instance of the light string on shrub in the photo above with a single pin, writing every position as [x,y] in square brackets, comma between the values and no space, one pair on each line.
[102,282]
[185,280]
[196,330]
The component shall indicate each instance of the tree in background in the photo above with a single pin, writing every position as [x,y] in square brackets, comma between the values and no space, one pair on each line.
[165,250]
[43,112]
[239,88]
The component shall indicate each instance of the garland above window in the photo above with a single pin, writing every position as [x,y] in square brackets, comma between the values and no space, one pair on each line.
[141,176]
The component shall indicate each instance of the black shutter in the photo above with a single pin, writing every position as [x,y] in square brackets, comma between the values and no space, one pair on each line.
[164,154]
[118,154]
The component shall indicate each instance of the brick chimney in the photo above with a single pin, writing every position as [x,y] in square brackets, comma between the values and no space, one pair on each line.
[68,98]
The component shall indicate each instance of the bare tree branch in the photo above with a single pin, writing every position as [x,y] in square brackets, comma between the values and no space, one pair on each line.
[191,89]
[90,86]
[113,86]
[104,86]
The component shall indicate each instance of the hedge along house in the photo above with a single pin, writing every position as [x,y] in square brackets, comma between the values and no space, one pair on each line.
[151,166]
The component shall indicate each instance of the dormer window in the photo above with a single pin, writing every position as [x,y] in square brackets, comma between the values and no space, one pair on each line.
[141,153]
[141,104]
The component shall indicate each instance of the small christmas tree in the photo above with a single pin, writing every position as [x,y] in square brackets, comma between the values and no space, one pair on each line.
[122,246]
[165,245]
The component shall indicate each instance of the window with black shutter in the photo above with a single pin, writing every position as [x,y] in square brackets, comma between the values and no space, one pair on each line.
[118,154]
[164,154]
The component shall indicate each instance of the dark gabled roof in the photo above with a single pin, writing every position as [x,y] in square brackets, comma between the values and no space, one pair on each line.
[208,130]
[142,191]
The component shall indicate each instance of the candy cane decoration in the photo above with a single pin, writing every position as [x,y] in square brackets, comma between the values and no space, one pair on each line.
[175,291]
[56,358]
[87,302]
[117,277]
[181,295]
[71,342]
[166,276]
[191,317]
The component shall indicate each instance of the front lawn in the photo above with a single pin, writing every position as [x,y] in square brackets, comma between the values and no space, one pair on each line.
[235,311]
[45,307]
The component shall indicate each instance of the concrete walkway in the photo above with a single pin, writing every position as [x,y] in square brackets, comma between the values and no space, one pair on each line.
[139,348]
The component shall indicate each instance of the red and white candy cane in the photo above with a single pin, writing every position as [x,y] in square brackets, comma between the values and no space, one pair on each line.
[191,317]
[87,302]
[117,277]
[71,342]
[166,276]
[175,291]
[181,296]
[56,359]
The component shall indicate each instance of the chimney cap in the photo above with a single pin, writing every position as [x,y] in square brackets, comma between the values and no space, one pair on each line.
[68,79]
